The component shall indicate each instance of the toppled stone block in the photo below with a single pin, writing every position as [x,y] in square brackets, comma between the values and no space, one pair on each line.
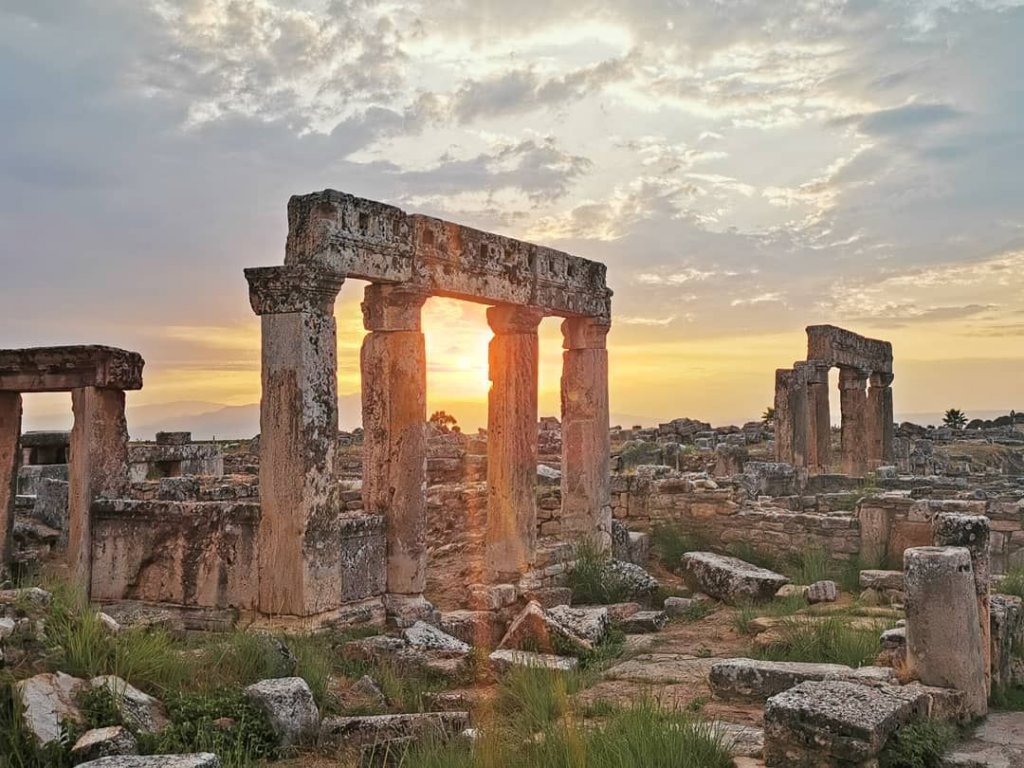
[364,693]
[630,546]
[882,580]
[47,701]
[592,624]
[639,584]
[104,742]
[644,622]
[504,660]
[137,709]
[491,597]
[477,628]
[754,680]
[51,506]
[730,579]
[679,606]
[406,610]
[289,706]
[425,637]
[792,590]
[822,592]
[619,612]
[197,760]
[342,732]
[30,595]
[835,723]
[549,597]
[533,629]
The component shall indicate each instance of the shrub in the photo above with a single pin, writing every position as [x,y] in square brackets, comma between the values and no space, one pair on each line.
[592,581]
[919,745]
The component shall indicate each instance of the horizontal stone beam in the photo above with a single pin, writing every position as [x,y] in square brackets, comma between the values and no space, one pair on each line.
[840,347]
[372,241]
[60,369]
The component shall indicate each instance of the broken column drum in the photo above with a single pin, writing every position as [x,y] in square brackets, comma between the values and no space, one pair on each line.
[802,421]
[407,259]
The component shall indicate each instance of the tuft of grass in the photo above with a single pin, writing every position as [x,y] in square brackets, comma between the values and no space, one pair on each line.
[670,544]
[1009,698]
[592,581]
[779,606]
[811,565]
[830,640]
[534,698]
[1013,582]
[747,552]
[919,745]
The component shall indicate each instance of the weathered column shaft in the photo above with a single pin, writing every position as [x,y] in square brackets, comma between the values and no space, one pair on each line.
[854,404]
[819,418]
[974,533]
[944,642]
[784,415]
[880,420]
[513,359]
[98,467]
[298,436]
[394,384]
[10,458]
[586,449]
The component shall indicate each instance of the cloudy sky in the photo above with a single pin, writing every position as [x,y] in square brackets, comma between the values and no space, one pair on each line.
[745,168]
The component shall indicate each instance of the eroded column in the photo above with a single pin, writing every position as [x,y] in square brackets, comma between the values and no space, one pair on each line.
[784,415]
[586,478]
[513,355]
[10,455]
[298,551]
[98,467]
[394,385]
[819,429]
[880,420]
[853,401]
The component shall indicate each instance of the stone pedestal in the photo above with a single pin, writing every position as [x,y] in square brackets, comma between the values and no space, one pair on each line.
[394,384]
[853,401]
[513,355]
[10,454]
[944,641]
[880,420]
[819,419]
[586,495]
[973,532]
[298,551]
[98,467]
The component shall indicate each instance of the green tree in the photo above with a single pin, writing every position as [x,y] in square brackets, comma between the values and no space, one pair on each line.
[444,422]
[954,418]
[768,417]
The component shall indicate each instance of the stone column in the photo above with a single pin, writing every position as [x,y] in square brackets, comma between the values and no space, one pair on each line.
[586,447]
[880,418]
[974,533]
[394,385]
[784,415]
[10,458]
[511,537]
[298,553]
[853,401]
[944,644]
[819,431]
[98,466]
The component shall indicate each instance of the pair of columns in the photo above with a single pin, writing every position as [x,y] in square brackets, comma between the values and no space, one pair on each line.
[299,424]
[98,466]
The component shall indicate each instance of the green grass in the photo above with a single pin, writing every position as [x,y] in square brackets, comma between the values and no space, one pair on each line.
[829,640]
[1013,582]
[747,552]
[919,745]
[591,580]
[670,544]
[811,565]
[780,606]
[1009,698]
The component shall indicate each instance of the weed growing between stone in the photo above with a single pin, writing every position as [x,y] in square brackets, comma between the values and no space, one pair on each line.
[919,745]
[669,544]
[829,640]
[592,581]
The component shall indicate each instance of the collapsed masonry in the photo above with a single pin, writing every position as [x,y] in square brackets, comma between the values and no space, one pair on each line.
[303,542]
[802,422]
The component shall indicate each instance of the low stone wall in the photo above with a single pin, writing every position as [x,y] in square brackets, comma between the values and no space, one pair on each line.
[186,553]
[891,524]
[148,461]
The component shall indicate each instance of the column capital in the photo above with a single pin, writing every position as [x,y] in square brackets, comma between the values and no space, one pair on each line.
[392,307]
[585,332]
[853,378]
[297,288]
[880,380]
[508,319]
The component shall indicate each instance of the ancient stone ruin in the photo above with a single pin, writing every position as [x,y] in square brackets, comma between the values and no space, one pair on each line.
[803,425]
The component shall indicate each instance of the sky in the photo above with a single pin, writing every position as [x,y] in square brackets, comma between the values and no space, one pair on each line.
[745,168]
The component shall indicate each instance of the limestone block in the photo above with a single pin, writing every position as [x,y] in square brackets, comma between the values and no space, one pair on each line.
[51,506]
[405,610]
[288,704]
[822,592]
[343,732]
[730,579]
[197,760]
[619,612]
[104,742]
[644,622]
[476,628]
[881,580]
[756,680]
[504,659]
[592,624]
[533,629]
[424,637]
[679,606]
[47,700]
[639,584]
[820,723]
[60,369]
[139,710]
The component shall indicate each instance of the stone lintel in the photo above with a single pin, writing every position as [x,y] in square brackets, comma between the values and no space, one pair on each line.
[287,289]
[585,332]
[840,347]
[507,319]
[380,243]
[879,380]
[853,378]
[392,308]
[61,369]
